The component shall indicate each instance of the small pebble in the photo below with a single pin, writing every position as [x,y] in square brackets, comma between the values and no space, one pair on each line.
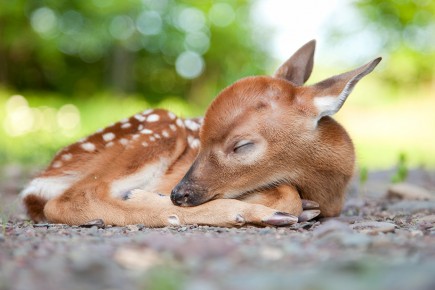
[426,219]
[99,223]
[373,227]
[42,225]
[132,228]
[409,192]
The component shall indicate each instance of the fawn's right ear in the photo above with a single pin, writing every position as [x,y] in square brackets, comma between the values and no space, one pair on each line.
[299,66]
[326,97]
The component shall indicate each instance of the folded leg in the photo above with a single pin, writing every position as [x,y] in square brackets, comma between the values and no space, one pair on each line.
[154,210]
[285,198]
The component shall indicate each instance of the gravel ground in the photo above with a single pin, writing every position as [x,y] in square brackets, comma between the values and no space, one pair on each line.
[379,242]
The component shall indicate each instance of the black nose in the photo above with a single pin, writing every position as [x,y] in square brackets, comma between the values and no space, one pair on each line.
[179,196]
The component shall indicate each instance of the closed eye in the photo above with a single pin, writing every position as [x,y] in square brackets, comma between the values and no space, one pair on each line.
[243,146]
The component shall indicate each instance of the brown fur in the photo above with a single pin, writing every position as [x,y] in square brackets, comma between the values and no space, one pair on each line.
[35,207]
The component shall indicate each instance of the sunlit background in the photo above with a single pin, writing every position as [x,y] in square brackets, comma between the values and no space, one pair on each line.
[68,68]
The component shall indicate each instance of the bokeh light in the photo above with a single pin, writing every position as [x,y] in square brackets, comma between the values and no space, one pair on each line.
[189,64]
[22,119]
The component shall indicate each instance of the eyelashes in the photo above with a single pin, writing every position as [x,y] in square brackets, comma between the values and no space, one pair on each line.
[243,146]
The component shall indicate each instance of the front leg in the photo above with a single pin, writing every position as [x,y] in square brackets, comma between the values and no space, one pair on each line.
[285,198]
[220,212]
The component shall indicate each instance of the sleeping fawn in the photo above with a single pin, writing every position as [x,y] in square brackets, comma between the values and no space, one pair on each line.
[267,152]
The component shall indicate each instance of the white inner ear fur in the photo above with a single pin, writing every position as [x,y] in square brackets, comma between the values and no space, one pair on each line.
[326,105]
[329,105]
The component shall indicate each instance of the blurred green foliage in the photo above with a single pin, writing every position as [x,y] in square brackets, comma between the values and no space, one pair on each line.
[407,29]
[93,62]
[158,48]
[401,169]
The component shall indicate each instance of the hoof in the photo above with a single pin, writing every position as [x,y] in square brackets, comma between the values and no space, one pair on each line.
[281,219]
[309,204]
[307,215]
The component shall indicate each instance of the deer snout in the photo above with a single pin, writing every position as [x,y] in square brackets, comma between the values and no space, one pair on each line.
[180,195]
[187,193]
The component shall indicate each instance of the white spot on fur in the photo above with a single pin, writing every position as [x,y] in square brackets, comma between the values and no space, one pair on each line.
[171,116]
[140,118]
[152,139]
[190,139]
[124,120]
[49,187]
[153,118]
[193,142]
[110,144]
[180,123]
[157,136]
[191,125]
[67,157]
[125,125]
[174,220]
[147,178]
[108,137]
[135,136]
[144,144]
[123,141]
[140,127]
[173,127]
[146,112]
[57,164]
[165,134]
[146,131]
[88,146]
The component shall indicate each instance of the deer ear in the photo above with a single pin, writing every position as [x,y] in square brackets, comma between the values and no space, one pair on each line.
[329,95]
[299,66]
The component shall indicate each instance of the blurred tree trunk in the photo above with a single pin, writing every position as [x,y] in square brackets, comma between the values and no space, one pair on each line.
[3,56]
[121,70]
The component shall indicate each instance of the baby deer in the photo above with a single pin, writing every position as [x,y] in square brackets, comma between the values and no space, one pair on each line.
[266,150]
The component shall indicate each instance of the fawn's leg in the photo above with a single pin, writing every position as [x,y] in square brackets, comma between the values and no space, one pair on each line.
[154,210]
[285,198]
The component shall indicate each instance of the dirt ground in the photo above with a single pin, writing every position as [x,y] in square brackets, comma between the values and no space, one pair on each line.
[379,242]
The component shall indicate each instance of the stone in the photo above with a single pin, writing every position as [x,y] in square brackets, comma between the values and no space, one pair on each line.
[426,219]
[330,226]
[132,228]
[373,227]
[272,254]
[99,223]
[137,258]
[409,191]
[42,225]
[412,206]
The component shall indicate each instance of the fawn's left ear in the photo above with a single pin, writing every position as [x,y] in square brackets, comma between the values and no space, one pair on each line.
[328,96]
[299,66]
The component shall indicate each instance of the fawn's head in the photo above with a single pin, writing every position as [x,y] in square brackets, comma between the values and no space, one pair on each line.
[260,131]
